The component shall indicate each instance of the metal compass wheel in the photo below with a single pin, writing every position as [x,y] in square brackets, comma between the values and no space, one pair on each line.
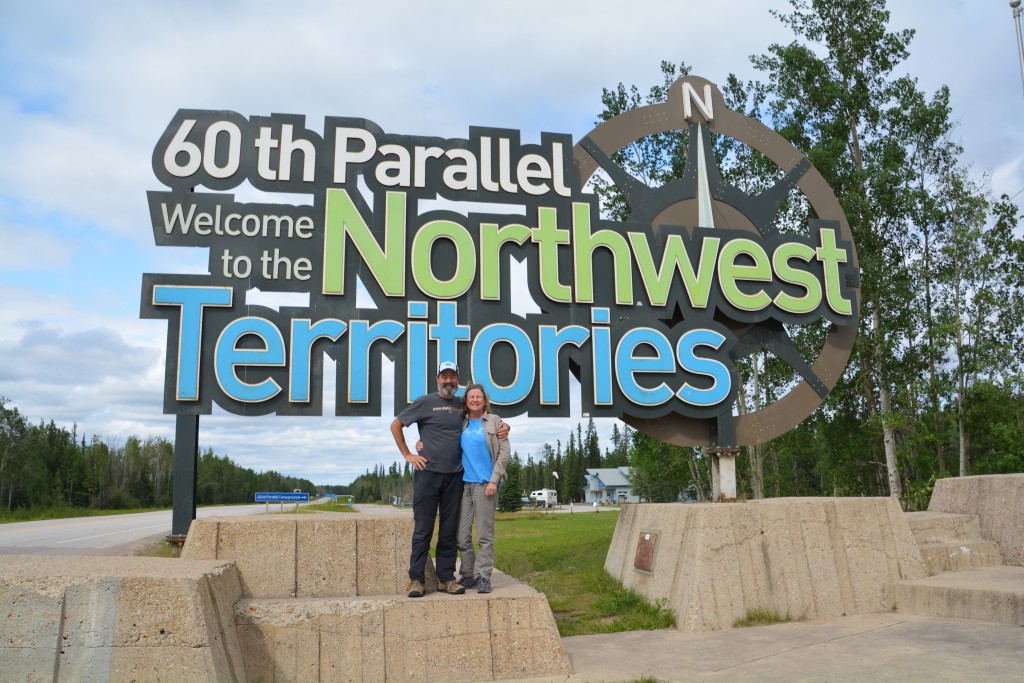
[700,197]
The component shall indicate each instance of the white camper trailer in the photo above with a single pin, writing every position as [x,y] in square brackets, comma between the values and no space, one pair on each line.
[544,498]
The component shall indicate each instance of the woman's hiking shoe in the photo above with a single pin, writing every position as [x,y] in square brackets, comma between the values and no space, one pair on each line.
[483,585]
[415,588]
[451,587]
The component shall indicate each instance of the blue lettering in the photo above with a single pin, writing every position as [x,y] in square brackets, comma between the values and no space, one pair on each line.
[191,300]
[227,356]
[521,386]
[361,336]
[303,337]
[552,340]
[627,364]
[720,374]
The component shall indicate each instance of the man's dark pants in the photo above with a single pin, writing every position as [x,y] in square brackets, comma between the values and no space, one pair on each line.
[435,492]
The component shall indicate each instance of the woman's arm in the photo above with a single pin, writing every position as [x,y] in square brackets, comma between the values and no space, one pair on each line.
[501,459]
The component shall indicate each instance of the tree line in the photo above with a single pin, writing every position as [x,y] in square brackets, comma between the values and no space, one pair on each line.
[43,465]
[582,451]
[934,384]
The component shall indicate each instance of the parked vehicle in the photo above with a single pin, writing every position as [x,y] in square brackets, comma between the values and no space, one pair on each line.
[546,498]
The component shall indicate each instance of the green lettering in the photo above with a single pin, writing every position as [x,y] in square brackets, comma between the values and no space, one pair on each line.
[729,272]
[830,257]
[584,244]
[387,264]
[549,237]
[491,239]
[795,276]
[465,260]
[674,258]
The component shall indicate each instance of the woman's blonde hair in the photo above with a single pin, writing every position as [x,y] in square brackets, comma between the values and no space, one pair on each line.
[487,399]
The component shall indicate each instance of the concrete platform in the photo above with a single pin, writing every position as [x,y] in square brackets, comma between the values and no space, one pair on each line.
[992,594]
[951,541]
[310,556]
[862,648]
[298,598]
[471,637]
[997,500]
[808,557]
[117,619]
[324,600]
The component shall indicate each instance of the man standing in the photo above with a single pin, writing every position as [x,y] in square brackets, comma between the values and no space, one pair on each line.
[437,480]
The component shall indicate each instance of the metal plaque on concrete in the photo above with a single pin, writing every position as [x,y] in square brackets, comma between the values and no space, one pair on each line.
[645,547]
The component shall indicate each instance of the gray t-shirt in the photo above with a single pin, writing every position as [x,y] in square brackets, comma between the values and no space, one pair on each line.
[440,424]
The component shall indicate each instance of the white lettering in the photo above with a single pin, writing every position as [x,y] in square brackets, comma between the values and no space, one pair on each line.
[690,98]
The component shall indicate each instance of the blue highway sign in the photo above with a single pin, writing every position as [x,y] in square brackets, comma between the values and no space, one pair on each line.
[282,497]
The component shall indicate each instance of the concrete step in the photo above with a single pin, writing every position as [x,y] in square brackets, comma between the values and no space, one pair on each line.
[944,557]
[943,527]
[507,634]
[991,594]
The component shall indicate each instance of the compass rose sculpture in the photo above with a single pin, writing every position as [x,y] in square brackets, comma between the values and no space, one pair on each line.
[702,198]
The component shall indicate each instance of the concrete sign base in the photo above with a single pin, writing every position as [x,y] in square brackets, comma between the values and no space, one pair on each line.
[99,619]
[996,500]
[297,598]
[805,557]
[324,600]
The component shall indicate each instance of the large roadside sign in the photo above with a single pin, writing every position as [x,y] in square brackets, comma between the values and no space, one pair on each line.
[650,314]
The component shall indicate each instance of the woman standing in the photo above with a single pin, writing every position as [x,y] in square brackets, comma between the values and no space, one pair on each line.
[484,457]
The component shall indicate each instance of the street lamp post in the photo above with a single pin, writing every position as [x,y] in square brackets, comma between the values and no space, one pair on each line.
[1017,11]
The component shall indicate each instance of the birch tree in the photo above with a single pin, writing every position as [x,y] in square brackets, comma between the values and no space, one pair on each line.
[831,89]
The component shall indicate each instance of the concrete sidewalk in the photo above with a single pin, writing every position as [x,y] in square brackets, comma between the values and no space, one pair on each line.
[872,647]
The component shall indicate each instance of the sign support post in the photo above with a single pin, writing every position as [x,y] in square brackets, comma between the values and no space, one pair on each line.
[186,467]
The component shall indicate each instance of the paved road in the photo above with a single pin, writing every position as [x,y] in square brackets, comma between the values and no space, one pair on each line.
[110,535]
[123,534]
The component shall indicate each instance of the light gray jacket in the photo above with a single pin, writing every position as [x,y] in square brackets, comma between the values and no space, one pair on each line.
[498,448]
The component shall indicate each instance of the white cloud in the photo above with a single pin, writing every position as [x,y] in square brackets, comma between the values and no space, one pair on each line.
[87,90]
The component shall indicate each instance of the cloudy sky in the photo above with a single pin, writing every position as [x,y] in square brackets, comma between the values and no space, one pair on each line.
[86,90]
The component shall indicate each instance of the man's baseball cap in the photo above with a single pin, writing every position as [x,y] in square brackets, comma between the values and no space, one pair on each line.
[447,365]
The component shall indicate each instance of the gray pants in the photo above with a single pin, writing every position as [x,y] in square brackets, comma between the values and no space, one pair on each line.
[481,507]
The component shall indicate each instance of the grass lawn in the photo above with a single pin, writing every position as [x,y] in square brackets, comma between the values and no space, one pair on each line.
[563,556]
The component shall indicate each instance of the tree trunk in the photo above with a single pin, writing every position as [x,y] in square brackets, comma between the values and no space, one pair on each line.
[885,403]
[753,453]
[933,392]
[960,371]
[756,459]
[695,476]
[774,456]
[885,406]
[965,468]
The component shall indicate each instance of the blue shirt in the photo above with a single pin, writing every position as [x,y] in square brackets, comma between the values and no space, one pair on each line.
[476,459]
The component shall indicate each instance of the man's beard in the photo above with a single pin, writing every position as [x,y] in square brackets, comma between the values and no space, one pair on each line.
[446,390]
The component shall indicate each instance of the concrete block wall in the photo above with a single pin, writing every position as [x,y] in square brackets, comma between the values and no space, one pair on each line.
[808,557]
[118,619]
[324,600]
[309,556]
[997,500]
[509,634]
